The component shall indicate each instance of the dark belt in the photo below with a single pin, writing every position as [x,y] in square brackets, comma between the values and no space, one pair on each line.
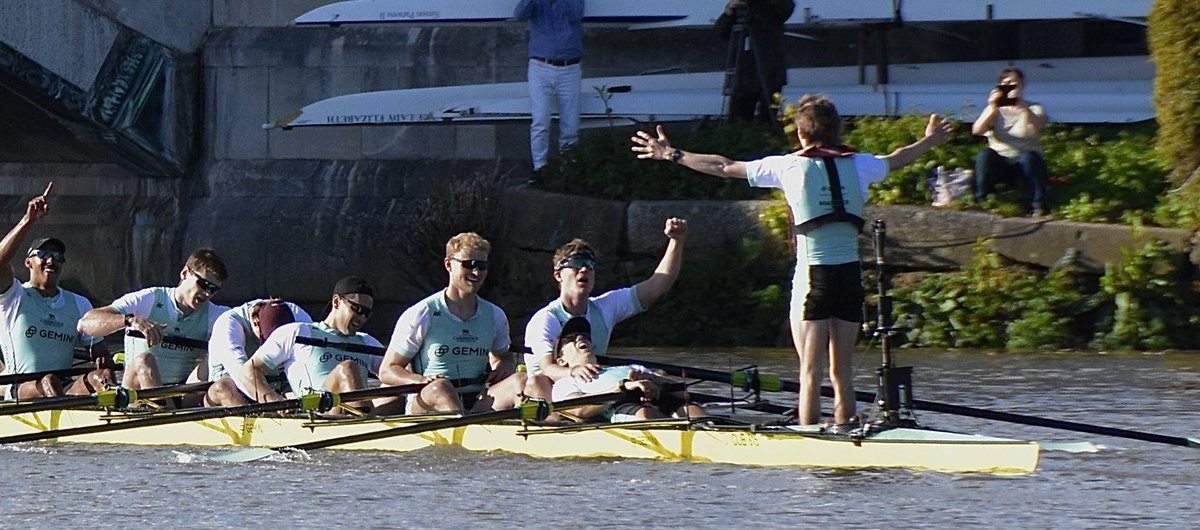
[557,62]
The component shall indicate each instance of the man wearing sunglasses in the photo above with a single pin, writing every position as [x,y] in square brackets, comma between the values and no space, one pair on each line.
[236,335]
[575,272]
[38,318]
[312,367]
[183,311]
[455,334]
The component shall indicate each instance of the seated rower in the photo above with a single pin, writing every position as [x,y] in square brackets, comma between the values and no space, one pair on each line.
[236,335]
[185,311]
[312,367]
[455,333]
[38,318]
[574,348]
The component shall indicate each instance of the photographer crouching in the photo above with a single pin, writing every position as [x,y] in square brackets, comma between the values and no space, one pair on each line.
[1013,127]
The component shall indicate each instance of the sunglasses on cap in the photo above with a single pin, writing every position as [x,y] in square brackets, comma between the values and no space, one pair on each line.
[357,308]
[48,254]
[211,287]
[473,264]
[576,261]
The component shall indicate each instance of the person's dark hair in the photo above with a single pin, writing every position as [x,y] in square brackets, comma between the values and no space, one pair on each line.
[1004,72]
[206,259]
[817,120]
[575,246]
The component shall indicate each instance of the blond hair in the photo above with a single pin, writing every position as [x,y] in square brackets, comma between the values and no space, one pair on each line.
[467,240]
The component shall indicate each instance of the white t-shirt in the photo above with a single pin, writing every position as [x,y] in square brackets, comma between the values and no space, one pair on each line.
[603,313]
[230,332]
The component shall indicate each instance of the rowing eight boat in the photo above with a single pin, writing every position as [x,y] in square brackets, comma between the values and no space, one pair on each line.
[914,448]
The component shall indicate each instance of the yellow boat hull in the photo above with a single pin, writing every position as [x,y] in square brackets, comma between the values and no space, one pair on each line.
[663,440]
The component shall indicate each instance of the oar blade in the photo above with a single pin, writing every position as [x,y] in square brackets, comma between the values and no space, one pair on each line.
[250,454]
[1077,446]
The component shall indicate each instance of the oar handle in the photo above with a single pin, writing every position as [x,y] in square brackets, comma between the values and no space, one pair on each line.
[745,378]
[347,346]
[186,342]
[32,376]
[110,397]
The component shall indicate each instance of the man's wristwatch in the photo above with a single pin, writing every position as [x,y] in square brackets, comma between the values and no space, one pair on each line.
[676,156]
[128,319]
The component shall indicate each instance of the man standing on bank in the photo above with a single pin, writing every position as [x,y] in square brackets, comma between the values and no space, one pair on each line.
[825,186]
[38,318]
[754,54]
[555,75]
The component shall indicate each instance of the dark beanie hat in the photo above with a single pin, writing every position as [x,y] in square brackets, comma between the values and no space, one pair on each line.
[353,285]
[272,316]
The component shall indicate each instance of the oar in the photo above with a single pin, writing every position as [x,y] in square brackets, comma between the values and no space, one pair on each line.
[739,377]
[347,346]
[187,342]
[110,397]
[220,412]
[33,376]
[526,410]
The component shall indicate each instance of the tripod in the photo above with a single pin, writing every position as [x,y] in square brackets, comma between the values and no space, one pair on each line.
[741,41]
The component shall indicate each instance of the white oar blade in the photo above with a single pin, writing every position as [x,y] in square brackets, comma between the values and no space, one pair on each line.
[1070,447]
[244,455]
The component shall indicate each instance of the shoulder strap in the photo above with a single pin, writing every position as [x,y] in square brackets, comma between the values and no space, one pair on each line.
[839,213]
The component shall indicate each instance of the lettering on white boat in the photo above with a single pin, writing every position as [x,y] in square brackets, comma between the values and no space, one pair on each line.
[409,15]
[359,119]
[744,439]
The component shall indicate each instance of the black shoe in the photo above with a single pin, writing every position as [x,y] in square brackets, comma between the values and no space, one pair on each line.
[535,178]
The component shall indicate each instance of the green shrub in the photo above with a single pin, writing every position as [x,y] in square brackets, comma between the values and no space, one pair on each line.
[1174,38]
[1117,178]
[969,308]
[729,297]
[602,165]
[1143,307]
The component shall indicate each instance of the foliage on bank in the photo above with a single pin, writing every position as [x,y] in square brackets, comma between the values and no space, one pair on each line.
[1174,40]
[1136,305]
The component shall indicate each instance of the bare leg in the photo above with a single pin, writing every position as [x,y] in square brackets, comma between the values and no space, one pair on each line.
[47,386]
[141,372]
[811,338]
[346,377]
[841,368]
[502,395]
[224,393]
[437,396]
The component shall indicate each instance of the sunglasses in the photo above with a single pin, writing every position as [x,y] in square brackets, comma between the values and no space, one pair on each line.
[359,309]
[473,264]
[48,254]
[208,286]
[576,261]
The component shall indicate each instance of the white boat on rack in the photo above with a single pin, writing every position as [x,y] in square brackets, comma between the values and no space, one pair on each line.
[1065,86]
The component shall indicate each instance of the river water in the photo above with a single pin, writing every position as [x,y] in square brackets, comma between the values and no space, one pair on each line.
[1127,483]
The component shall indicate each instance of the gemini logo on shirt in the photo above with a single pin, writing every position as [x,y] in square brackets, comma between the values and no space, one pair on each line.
[32,331]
